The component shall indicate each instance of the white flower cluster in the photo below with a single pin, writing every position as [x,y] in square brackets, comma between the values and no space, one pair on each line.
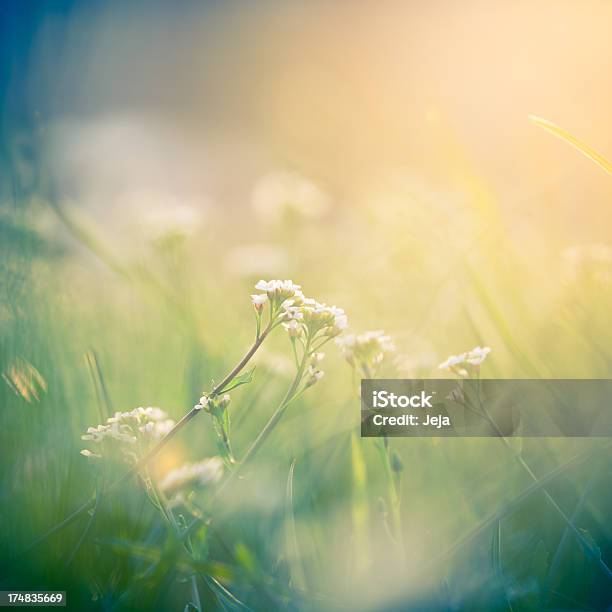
[300,315]
[456,363]
[207,403]
[366,350]
[276,292]
[141,425]
[200,474]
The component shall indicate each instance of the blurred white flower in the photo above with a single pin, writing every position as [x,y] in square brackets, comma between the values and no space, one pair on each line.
[255,259]
[193,475]
[159,213]
[366,350]
[133,431]
[179,219]
[475,357]
[277,196]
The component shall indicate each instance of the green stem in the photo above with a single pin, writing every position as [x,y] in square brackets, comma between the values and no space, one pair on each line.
[289,396]
[271,424]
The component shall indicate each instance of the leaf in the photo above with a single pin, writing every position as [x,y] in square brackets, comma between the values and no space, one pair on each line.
[242,379]
[595,157]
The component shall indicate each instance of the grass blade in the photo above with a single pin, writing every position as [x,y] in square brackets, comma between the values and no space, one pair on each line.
[591,154]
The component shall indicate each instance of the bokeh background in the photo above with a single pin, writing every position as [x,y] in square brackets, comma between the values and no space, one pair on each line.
[158,158]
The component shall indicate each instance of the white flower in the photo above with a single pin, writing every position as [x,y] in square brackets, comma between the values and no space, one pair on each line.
[314,376]
[477,355]
[367,349]
[203,403]
[302,315]
[279,290]
[128,428]
[294,329]
[203,473]
[452,361]
[259,300]
[474,358]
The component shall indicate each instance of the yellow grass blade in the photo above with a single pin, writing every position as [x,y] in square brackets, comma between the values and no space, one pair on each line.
[549,126]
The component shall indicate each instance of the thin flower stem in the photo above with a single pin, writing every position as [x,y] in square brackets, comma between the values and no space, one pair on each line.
[289,396]
[240,365]
[270,425]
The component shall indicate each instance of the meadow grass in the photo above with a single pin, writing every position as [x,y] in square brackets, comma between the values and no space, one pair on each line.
[304,513]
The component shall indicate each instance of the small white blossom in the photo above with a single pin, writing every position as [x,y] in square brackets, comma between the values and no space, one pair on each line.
[294,329]
[203,403]
[474,358]
[477,355]
[301,315]
[259,301]
[367,349]
[139,426]
[280,290]
[314,376]
[203,473]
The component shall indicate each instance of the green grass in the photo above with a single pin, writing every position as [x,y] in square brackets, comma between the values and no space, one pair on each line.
[314,520]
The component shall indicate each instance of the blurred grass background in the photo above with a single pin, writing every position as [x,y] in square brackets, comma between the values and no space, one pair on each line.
[158,160]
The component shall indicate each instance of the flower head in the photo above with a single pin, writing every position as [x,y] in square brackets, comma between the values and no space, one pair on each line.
[301,316]
[131,431]
[314,318]
[193,475]
[259,301]
[366,350]
[472,359]
[278,291]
